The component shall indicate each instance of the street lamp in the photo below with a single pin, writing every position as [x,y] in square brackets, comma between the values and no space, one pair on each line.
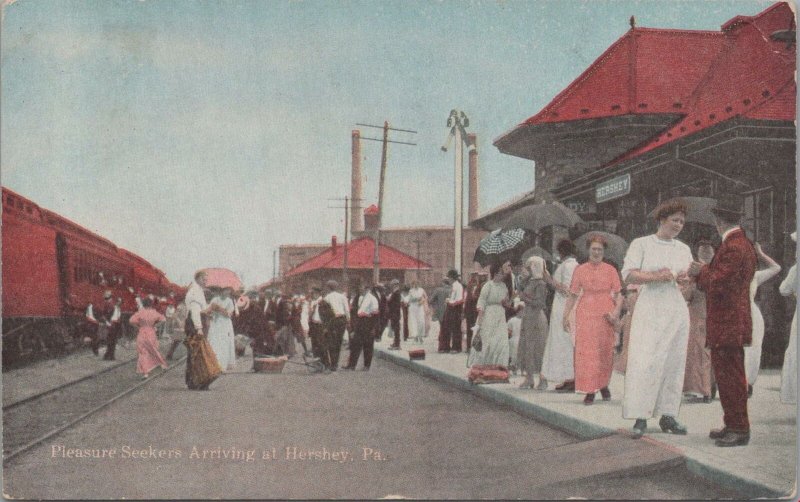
[457,122]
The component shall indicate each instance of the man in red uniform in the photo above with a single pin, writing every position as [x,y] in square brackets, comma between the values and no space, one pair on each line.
[729,326]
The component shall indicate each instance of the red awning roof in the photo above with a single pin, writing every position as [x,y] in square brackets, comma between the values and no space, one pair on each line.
[647,71]
[700,78]
[751,76]
[359,256]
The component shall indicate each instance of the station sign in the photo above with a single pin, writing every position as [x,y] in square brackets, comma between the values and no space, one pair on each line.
[614,188]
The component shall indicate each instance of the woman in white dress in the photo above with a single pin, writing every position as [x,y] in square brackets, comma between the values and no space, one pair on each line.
[491,323]
[752,354]
[417,300]
[559,352]
[220,330]
[789,372]
[660,324]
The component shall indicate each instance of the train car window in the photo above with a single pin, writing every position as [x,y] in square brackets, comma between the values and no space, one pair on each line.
[20,205]
[28,209]
[10,200]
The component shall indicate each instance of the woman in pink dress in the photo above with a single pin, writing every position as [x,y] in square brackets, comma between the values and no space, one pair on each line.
[146,343]
[596,317]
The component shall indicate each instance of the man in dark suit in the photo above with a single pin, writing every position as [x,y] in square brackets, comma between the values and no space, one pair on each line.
[383,317]
[110,327]
[394,306]
[726,282]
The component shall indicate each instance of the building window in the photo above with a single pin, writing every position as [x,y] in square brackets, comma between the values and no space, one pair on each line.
[758,220]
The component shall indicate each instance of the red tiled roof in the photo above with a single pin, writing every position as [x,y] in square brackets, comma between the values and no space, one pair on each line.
[359,256]
[751,76]
[646,71]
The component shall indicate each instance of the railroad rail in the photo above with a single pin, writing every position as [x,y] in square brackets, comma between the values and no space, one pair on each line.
[33,420]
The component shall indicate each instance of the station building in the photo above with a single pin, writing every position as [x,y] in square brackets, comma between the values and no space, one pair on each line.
[664,113]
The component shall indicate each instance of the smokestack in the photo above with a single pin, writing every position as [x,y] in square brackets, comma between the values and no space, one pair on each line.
[371,218]
[356,222]
[472,212]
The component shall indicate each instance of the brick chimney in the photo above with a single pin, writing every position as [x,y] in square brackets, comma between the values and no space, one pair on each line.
[356,223]
[472,212]
[371,218]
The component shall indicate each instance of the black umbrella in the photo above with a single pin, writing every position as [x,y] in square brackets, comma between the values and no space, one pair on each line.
[617,246]
[699,210]
[539,216]
[502,245]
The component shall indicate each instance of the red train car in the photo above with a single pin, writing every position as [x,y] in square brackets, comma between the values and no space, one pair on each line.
[30,266]
[53,269]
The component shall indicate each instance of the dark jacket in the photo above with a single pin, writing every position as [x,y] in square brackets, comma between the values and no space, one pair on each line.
[393,304]
[726,282]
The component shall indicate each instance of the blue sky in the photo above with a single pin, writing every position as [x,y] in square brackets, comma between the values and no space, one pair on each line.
[200,133]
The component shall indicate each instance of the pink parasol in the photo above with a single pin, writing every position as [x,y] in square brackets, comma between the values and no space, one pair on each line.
[222,278]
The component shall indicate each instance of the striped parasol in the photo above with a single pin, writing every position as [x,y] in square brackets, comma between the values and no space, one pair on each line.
[501,245]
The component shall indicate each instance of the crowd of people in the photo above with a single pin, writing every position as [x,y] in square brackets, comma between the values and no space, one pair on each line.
[677,324]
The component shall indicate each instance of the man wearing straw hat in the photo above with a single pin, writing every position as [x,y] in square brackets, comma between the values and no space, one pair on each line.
[729,325]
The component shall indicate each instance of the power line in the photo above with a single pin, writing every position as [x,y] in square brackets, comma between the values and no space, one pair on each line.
[376,270]
[390,128]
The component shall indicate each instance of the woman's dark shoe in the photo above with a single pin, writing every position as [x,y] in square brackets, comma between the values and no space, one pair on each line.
[639,427]
[605,393]
[589,399]
[669,424]
[568,386]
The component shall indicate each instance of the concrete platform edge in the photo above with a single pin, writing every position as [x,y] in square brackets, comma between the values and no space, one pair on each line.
[582,428]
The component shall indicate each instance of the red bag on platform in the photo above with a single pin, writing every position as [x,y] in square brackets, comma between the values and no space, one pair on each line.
[488,373]
[416,354]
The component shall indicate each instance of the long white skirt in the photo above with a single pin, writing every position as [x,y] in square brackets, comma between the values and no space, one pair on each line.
[494,336]
[657,355]
[558,363]
[513,345]
[221,339]
[416,321]
[789,371]
[752,354]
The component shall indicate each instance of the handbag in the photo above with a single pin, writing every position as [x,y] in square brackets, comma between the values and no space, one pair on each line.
[477,342]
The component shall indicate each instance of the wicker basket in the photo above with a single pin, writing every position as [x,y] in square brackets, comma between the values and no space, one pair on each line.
[269,364]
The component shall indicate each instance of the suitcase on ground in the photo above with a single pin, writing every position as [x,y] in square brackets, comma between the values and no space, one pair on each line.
[489,373]
[416,354]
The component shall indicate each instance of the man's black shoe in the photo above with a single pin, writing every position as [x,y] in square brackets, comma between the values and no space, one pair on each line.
[733,439]
[718,433]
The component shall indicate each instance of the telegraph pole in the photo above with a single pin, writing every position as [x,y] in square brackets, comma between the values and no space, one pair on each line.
[376,261]
[457,122]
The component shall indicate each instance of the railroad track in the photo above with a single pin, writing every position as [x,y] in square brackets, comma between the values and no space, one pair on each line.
[33,420]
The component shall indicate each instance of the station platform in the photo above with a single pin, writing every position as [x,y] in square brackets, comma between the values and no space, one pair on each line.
[766,467]
[42,376]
